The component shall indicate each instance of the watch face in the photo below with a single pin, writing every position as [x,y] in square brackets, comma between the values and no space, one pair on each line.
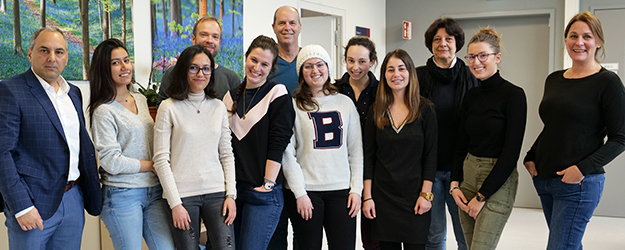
[268,186]
[478,197]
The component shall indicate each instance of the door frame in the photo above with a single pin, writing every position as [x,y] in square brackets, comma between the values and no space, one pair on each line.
[518,13]
[339,16]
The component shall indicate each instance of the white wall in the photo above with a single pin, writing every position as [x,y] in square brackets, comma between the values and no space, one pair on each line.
[422,12]
[363,13]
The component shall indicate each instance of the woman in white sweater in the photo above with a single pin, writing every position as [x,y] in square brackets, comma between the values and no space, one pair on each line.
[323,163]
[193,154]
[122,131]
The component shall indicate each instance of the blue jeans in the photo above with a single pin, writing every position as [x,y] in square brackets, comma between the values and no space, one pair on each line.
[61,231]
[258,214]
[437,236]
[207,207]
[568,208]
[131,214]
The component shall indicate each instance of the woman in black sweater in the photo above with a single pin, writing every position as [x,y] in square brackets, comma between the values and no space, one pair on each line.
[261,121]
[580,106]
[490,134]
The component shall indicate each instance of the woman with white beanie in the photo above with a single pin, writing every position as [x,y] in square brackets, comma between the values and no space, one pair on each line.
[323,163]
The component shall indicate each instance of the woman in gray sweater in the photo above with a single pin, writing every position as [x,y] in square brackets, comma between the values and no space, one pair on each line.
[122,131]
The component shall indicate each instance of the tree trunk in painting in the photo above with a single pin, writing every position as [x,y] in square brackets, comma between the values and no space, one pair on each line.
[175,14]
[221,9]
[202,7]
[17,33]
[122,6]
[3,6]
[212,7]
[42,10]
[152,19]
[84,21]
[232,15]
[164,17]
[105,22]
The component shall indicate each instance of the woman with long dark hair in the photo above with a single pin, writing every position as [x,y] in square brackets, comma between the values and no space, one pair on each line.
[400,157]
[323,162]
[193,155]
[261,121]
[580,107]
[122,131]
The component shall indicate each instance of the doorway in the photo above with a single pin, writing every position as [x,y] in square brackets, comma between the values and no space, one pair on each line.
[323,25]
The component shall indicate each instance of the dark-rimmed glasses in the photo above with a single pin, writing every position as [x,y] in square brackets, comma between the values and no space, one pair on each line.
[481,56]
[195,69]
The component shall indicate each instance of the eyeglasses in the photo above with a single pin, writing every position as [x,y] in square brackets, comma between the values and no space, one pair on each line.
[481,56]
[195,69]
[310,66]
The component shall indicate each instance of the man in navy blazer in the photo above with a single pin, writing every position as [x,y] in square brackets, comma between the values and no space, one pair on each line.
[48,171]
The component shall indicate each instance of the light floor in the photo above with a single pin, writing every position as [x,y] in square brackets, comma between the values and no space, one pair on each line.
[527,230]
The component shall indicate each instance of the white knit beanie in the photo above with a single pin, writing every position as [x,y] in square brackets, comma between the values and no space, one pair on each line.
[313,51]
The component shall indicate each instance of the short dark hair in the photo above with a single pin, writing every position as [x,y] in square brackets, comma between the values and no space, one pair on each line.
[101,85]
[179,87]
[451,27]
[38,31]
[364,42]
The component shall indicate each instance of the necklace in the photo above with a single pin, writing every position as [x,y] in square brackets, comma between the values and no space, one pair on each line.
[245,110]
[196,107]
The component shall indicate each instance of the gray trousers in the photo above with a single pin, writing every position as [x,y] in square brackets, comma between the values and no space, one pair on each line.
[484,232]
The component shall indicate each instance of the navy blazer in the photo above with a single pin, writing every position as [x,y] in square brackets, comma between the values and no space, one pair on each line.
[34,155]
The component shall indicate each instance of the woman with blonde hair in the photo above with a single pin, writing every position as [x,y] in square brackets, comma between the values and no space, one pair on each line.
[490,134]
[581,105]
[400,157]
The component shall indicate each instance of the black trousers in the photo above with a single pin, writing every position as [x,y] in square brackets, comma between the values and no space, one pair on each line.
[330,213]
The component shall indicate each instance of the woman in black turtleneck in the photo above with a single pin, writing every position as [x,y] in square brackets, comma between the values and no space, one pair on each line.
[490,134]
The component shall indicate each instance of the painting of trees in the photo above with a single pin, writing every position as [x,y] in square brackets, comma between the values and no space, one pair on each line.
[83,22]
[177,27]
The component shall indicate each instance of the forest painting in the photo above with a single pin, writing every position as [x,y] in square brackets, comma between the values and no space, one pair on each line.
[172,27]
[103,19]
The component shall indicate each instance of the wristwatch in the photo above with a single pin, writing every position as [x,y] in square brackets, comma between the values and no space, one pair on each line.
[427,196]
[479,197]
[268,185]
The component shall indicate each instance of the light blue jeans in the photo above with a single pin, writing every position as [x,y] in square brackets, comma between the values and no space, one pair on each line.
[258,214]
[437,236]
[568,208]
[61,231]
[131,214]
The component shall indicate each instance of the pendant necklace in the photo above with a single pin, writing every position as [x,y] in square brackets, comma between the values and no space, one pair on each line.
[196,107]
[245,110]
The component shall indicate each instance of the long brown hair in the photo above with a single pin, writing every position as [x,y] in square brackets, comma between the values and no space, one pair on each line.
[265,43]
[304,97]
[384,96]
[101,83]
